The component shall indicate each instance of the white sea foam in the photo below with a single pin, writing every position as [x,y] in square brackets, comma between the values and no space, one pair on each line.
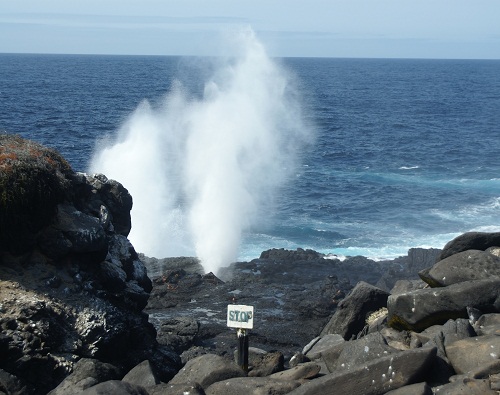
[201,171]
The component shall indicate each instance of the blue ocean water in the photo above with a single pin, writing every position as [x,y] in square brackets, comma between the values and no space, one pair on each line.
[405,154]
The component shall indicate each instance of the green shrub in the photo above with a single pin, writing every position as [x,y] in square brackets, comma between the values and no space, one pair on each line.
[33,180]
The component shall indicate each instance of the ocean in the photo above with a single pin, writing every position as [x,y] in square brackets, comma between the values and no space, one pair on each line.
[398,153]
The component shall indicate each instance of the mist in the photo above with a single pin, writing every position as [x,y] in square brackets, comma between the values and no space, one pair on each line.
[204,167]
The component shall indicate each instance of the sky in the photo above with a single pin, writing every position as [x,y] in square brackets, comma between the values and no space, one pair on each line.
[458,29]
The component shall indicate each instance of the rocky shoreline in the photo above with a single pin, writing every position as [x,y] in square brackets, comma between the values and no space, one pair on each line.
[286,288]
[82,313]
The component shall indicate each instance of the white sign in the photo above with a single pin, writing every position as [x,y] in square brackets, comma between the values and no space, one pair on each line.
[240,316]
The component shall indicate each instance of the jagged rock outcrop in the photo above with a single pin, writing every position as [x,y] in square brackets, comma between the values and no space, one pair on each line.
[71,284]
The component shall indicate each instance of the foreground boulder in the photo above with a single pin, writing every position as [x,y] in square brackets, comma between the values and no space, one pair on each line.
[86,373]
[464,266]
[252,386]
[373,378]
[206,370]
[423,308]
[467,354]
[470,241]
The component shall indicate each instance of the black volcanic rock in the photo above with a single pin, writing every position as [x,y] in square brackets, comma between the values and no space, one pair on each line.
[422,308]
[470,241]
[73,291]
[463,266]
[352,312]
[72,286]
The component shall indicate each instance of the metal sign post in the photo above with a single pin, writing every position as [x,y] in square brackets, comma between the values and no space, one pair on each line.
[241,317]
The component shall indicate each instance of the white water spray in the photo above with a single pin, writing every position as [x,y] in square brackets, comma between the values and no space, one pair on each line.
[202,171]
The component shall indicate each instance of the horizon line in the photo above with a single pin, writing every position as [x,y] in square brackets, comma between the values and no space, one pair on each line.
[216,56]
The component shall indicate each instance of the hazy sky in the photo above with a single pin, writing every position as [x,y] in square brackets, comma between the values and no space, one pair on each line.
[330,28]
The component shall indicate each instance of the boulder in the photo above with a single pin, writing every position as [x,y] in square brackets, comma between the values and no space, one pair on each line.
[206,370]
[176,389]
[399,340]
[114,387]
[470,241]
[412,389]
[306,370]
[403,286]
[352,312]
[420,309]
[10,384]
[454,330]
[466,386]
[318,345]
[297,359]
[488,324]
[348,355]
[252,386]
[142,375]
[468,354]
[265,364]
[463,266]
[375,377]
[440,336]
[495,382]
[86,373]
[485,371]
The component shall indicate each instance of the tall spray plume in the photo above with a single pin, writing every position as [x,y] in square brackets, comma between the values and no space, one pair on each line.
[204,167]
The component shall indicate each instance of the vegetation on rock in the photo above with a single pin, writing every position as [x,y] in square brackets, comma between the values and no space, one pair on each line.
[33,180]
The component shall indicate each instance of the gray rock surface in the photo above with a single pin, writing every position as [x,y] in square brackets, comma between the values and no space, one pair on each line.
[488,324]
[78,293]
[206,370]
[142,375]
[375,377]
[352,313]
[463,266]
[470,241]
[320,344]
[176,389]
[265,364]
[348,355]
[86,373]
[420,309]
[115,387]
[306,370]
[467,386]
[467,354]
[252,386]
[412,389]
